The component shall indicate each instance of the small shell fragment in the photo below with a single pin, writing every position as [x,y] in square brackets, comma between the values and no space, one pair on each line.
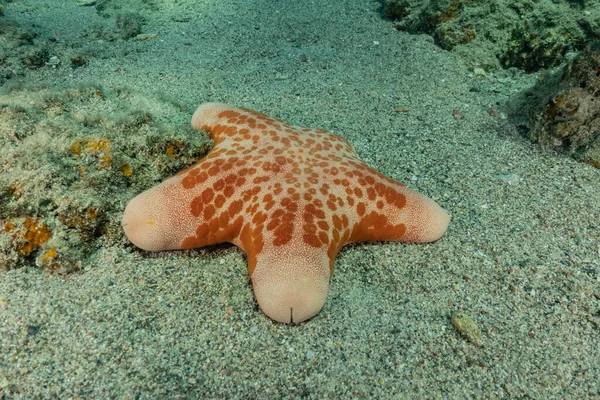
[53,61]
[146,36]
[467,327]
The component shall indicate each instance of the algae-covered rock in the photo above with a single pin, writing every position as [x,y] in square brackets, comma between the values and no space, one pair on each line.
[562,111]
[399,9]
[129,24]
[525,34]
[69,161]
[443,19]
[570,120]
[17,50]
[531,49]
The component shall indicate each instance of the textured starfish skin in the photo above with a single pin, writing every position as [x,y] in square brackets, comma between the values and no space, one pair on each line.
[289,197]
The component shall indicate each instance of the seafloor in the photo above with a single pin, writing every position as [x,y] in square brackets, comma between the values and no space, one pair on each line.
[520,257]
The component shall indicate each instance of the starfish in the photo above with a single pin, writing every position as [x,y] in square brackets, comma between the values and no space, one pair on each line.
[290,197]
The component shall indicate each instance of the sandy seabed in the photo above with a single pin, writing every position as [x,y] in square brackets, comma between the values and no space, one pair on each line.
[521,255]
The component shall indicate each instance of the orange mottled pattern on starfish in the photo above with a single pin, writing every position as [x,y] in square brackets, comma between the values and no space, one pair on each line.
[289,196]
[269,182]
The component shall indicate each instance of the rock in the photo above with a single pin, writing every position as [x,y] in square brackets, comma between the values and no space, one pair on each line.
[570,120]
[530,35]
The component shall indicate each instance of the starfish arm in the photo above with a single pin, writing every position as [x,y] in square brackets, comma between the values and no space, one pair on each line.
[424,219]
[222,121]
[396,213]
[363,205]
[155,219]
[290,282]
[170,216]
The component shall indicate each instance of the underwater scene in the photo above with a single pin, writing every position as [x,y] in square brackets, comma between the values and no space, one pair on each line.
[283,199]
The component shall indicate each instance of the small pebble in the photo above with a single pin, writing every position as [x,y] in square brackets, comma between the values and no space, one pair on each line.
[467,327]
